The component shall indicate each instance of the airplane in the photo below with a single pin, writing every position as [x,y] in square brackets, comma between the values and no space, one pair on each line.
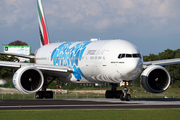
[94,61]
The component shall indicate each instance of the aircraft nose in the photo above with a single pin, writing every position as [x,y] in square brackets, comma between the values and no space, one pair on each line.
[134,68]
[133,64]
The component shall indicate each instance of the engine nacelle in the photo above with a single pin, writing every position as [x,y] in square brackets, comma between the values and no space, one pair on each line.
[155,79]
[28,79]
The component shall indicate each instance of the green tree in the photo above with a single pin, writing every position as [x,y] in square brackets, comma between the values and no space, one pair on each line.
[167,54]
[5,72]
[151,57]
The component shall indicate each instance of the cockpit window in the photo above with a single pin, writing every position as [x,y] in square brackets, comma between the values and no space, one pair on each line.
[136,56]
[119,56]
[123,55]
[129,56]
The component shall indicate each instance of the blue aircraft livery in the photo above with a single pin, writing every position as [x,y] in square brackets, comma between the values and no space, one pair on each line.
[68,55]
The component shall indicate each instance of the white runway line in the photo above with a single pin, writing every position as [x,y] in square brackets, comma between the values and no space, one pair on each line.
[92,105]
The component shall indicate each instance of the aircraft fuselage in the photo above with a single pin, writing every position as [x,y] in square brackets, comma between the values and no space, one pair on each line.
[109,61]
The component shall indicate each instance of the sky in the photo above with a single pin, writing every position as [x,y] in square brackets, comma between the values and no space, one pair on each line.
[151,25]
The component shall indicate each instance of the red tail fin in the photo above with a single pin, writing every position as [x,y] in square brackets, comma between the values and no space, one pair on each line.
[42,25]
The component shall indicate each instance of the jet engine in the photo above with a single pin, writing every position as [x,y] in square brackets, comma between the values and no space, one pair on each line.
[28,79]
[155,79]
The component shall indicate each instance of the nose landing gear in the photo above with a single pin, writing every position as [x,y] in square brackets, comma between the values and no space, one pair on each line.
[125,95]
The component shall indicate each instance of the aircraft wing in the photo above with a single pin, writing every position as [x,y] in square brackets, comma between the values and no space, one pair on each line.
[42,67]
[48,69]
[161,62]
[18,55]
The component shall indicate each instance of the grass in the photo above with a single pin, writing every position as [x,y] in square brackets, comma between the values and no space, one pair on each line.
[91,114]
[137,92]
[56,96]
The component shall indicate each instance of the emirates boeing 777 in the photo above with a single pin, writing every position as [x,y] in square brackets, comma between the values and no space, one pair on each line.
[94,61]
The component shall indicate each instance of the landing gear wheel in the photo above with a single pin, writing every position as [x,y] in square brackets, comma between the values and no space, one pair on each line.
[42,94]
[108,94]
[118,93]
[125,95]
[39,95]
[113,94]
[122,97]
[48,94]
[128,97]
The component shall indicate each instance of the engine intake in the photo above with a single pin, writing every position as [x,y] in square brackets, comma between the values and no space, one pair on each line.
[155,79]
[28,79]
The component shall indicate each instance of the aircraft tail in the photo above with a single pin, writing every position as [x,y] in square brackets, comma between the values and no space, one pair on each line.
[44,40]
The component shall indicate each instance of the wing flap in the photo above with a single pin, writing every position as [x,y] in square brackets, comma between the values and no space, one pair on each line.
[54,68]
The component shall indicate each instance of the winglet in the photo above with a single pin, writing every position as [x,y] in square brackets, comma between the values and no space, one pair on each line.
[44,40]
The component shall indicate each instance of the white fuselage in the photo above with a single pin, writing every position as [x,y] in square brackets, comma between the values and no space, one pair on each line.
[109,61]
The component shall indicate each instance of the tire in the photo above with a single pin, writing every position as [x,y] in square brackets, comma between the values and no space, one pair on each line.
[128,97]
[118,93]
[48,94]
[39,95]
[108,94]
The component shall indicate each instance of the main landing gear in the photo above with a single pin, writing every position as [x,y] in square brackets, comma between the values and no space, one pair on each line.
[43,93]
[114,93]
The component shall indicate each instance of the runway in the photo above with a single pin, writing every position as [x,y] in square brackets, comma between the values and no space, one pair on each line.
[88,104]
